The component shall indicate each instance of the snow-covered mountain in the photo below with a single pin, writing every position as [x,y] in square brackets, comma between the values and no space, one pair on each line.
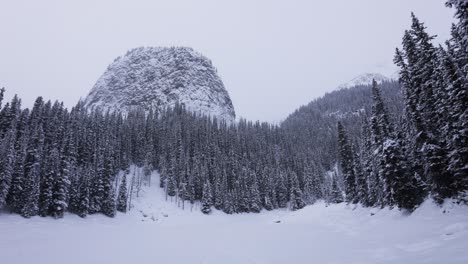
[364,79]
[157,77]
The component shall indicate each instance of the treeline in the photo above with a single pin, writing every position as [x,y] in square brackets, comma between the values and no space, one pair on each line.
[54,160]
[424,152]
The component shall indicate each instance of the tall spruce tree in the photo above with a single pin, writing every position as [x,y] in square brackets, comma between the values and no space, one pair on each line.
[32,174]
[207,200]
[123,195]
[52,170]
[336,195]
[7,162]
[347,164]
[455,69]
[295,196]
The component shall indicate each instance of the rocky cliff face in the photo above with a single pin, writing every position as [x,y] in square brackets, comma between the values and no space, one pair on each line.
[160,77]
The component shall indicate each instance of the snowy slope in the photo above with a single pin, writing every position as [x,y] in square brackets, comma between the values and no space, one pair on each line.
[159,231]
[364,79]
[156,78]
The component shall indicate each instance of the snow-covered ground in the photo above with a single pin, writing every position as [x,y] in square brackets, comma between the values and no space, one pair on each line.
[158,231]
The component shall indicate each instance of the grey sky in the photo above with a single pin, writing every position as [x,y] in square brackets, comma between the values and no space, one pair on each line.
[273,56]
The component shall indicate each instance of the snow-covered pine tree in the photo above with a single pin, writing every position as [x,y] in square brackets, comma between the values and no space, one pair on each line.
[14,197]
[372,181]
[171,187]
[123,195]
[9,115]
[454,64]
[406,60]
[296,202]
[361,180]
[108,203]
[406,190]
[52,170]
[459,33]
[229,206]
[281,190]
[84,193]
[336,195]
[310,196]
[242,190]
[381,130]
[31,184]
[268,193]
[379,121]
[426,100]
[218,194]
[4,118]
[254,196]
[2,93]
[456,121]
[433,149]
[347,164]
[207,200]
[7,161]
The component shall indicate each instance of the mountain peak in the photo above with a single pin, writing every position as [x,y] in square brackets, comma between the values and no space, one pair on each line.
[159,77]
[364,79]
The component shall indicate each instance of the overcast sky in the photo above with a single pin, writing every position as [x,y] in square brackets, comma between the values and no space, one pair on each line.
[273,56]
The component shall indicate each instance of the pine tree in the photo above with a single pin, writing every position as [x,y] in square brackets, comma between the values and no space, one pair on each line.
[207,200]
[229,207]
[361,181]
[5,119]
[459,33]
[84,193]
[62,180]
[52,170]
[171,187]
[381,130]
[31,184]
[310,194]
[123,196]
[7,162]
[372,182]
[183,193]
[60,201]
[73,192]
[295,196]
[336,196]
[406,190]
[422,78]
[254,199]
[269,193]
[243,195]
[455,70]
[406,60]
[380,121]
[14,197]
[108,203]
[347,164]
[218,194]
[2,92]
[281,191]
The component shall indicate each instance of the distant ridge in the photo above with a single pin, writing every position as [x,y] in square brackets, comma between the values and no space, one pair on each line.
[365,79]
